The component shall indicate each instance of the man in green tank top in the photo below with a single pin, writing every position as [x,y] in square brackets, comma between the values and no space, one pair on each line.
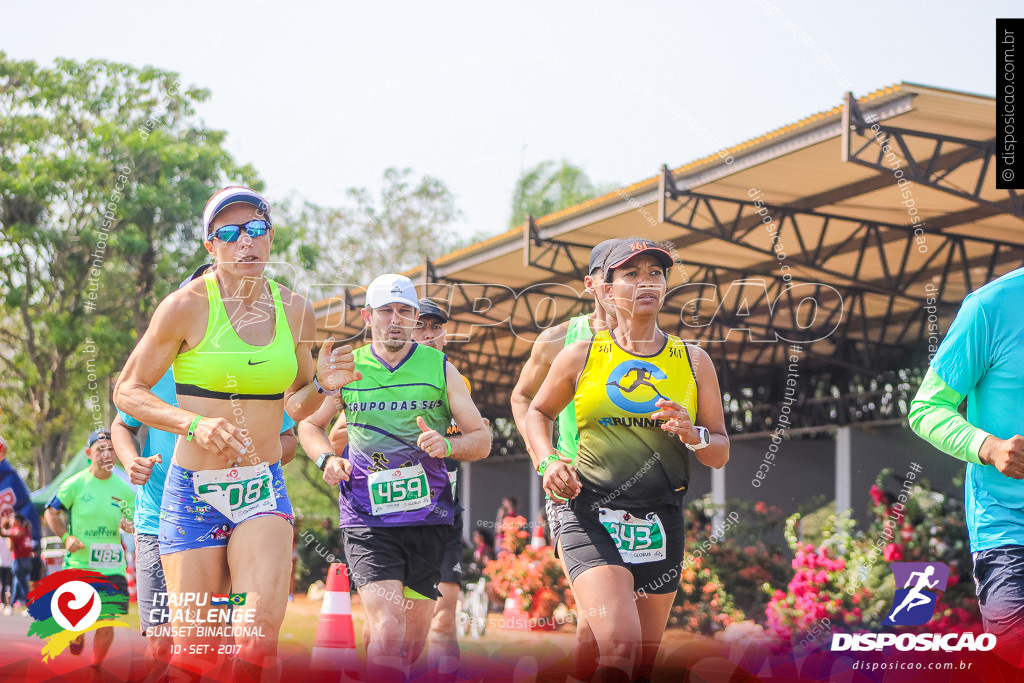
[545,348]
[99,505]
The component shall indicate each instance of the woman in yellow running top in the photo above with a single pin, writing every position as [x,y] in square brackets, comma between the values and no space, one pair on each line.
[241,348]
[644,402]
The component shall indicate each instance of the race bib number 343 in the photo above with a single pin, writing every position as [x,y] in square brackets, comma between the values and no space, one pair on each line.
[237,493]
[638,539]
[398,490]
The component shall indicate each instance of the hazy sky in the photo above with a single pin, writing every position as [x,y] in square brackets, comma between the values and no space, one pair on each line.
[322,96]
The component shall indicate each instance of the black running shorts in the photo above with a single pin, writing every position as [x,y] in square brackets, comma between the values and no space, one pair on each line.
[410,554]
[451,563]
[585,543]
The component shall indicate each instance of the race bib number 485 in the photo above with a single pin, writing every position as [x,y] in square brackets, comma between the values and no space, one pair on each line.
[105,556]
[398,490]
[638,539]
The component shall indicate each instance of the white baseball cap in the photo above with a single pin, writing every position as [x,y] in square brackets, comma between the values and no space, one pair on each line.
[392,289]
[237,194]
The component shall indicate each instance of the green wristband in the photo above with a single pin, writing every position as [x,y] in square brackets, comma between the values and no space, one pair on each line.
[192,427]
[546,462]
[64,538]
[449,446]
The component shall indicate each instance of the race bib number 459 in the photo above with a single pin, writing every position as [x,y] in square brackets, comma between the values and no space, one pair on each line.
[638,539]
[398,490]
[237,493]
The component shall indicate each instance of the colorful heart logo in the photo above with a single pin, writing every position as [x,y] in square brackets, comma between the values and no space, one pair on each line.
[72,614]
[75,606]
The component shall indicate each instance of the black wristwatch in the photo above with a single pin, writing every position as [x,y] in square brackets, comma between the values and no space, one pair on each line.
[321,462]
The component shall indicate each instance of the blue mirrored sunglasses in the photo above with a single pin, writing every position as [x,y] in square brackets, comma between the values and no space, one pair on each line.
[230,233]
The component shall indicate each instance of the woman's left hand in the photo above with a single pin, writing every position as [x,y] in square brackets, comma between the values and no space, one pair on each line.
[336,367]
[679,422]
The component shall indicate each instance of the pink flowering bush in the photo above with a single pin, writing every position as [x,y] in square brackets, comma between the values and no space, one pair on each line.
[917,524]
[817,590]
[845,576]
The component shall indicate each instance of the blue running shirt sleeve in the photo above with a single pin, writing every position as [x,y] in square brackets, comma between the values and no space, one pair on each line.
[149,495]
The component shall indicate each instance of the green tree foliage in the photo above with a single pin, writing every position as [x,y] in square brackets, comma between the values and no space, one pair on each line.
[104,174]
[367,236]
[549,187]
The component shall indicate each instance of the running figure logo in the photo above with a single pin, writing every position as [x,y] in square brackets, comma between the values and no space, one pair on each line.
[914,603]
[644,375]
[643,379]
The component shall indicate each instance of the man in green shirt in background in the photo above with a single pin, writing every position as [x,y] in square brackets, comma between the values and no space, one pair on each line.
[99,506]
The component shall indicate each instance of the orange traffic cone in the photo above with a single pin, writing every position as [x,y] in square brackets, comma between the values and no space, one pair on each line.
[334,655]
[538,537]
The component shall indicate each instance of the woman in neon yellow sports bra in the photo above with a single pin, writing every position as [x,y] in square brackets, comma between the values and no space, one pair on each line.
[645,401]
[241,348]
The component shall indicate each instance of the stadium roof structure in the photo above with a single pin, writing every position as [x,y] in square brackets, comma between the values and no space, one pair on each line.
[853,233]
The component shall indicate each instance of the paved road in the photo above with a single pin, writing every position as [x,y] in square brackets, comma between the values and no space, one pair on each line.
[501,655]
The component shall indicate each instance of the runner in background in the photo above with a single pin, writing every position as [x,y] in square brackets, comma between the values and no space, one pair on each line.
[443,650]
[99,505]
[547,345]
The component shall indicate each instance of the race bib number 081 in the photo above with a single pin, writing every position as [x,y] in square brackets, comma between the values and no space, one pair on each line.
[638,539]
[398,490]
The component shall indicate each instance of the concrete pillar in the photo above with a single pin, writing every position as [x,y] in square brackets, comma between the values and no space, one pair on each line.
[464,489]
[844,472]
[718,495]
[536,495]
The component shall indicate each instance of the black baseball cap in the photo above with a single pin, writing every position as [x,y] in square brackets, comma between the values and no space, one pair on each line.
[429,308]
[97,435]
[599,253]
[198,273]
[634,246]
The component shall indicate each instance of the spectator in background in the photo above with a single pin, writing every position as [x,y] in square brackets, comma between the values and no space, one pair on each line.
[541,522]
[483,552]
[509,508]
[19,531]
[14,495]
[6,574]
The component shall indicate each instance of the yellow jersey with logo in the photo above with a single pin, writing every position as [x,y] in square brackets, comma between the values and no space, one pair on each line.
[624,454]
